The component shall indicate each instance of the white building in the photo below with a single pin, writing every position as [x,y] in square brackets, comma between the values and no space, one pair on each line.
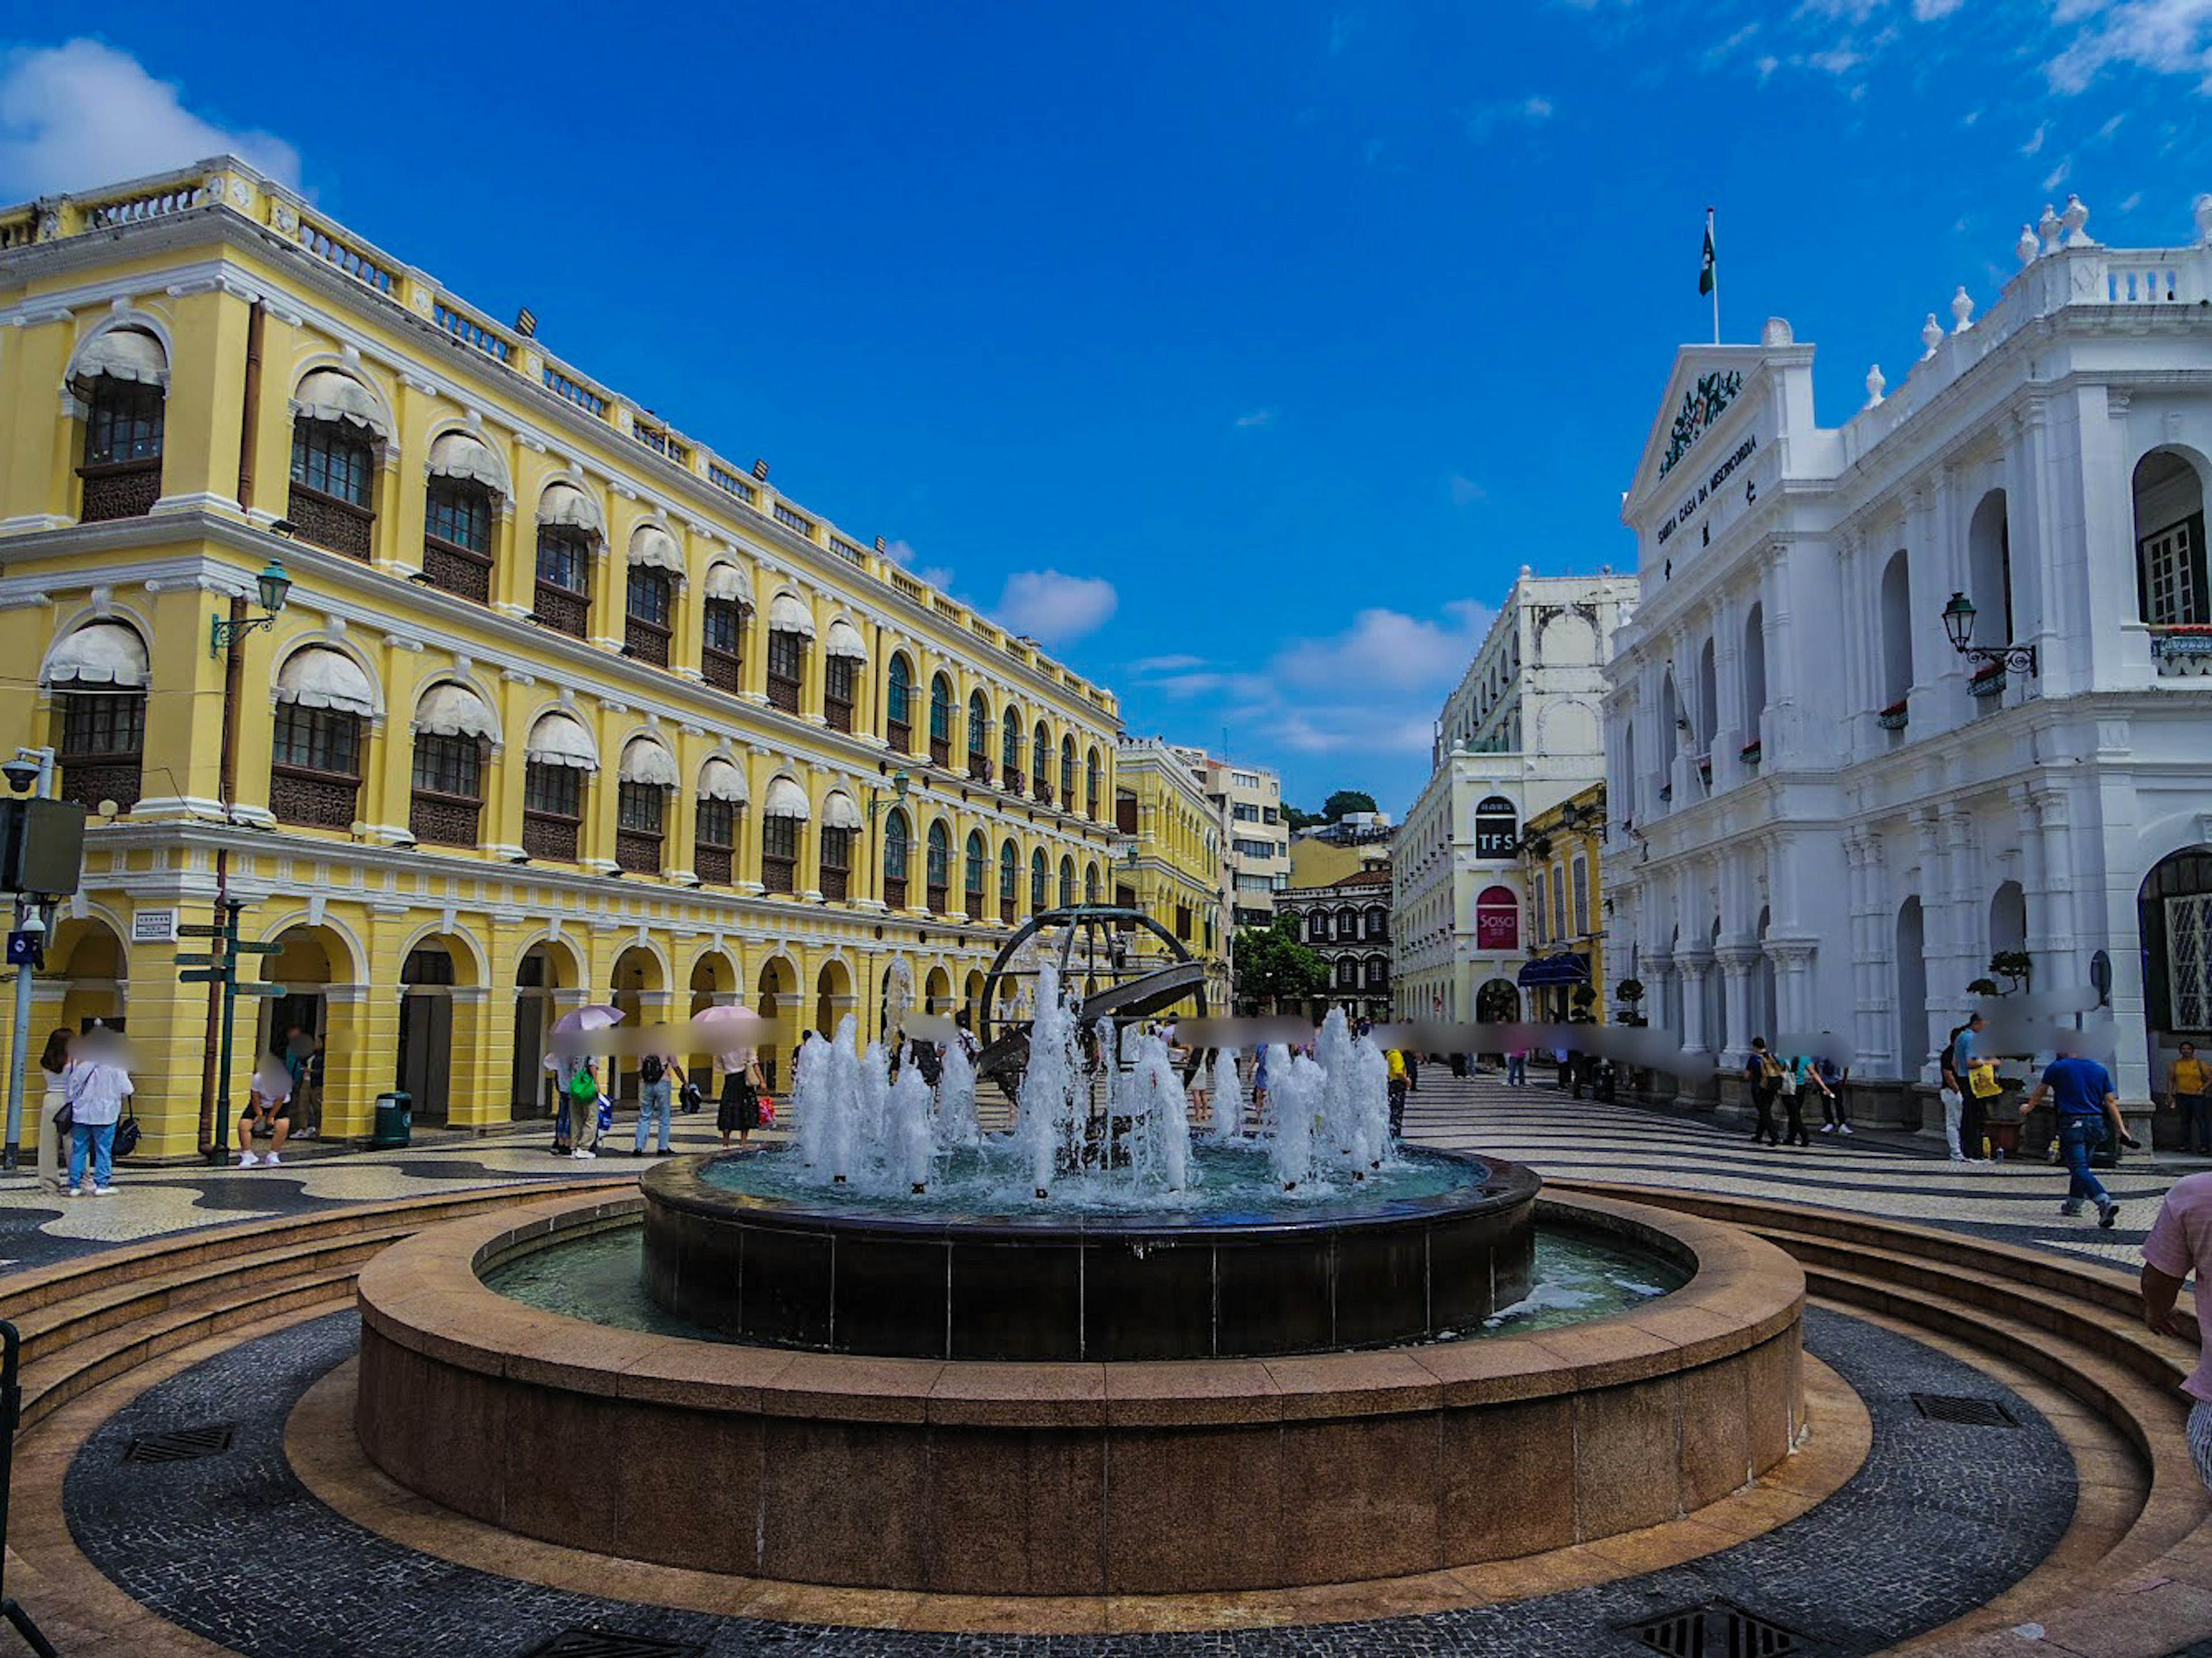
[1518,734]
[1825,818]
[1258,851]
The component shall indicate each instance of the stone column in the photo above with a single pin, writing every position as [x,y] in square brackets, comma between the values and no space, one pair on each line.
[1737,960]
[1696,964]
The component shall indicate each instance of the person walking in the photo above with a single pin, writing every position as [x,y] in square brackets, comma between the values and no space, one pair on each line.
[1395,1063]
[581,1097]
[739,1111]
[2188,1090]
[2086,1102]
[1835,1114]
[1516,1067]
[1953,1092]
[55,1063]
[1764,1073]
[97,1086]
[658,1076]
[2179,1246]
[1799,1079]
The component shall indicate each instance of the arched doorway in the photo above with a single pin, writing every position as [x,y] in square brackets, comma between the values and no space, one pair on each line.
[713,983]
[304,962]
[833,996]
[937,992]
[546,972]
[2173,910]
[424,1068]
[776,1000]
[1498,1002]
[639,987]
[1912,990]
[90,961]
[971,997]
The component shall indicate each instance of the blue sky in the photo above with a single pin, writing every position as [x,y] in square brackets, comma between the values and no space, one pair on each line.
[1241,352]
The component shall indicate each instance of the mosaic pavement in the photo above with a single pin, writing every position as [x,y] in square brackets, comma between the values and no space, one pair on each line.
[1941,1518]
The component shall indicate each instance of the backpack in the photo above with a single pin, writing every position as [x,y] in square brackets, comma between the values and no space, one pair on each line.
[1947,1062]
[583,1085]
[650,1069]
[1770,1069]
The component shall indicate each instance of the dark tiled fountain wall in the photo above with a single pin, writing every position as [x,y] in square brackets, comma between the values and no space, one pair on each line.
[975,1287]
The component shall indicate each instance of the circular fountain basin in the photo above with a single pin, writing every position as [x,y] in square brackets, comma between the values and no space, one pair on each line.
[1424,1248]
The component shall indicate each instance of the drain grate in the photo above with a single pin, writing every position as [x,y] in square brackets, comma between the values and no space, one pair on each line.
[182,1444]
[1966,1413]
[595,1642]
[1715,1630]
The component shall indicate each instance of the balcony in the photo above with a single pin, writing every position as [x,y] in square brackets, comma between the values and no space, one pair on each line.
[939,895]
[90,782]
[979,770]
[837,714]
[940,752]
[720,669]
[645,641]
[2182,652]
[1989,682]
[545,836]
[637,851]
[1006,910]
[1751,753]
[327,522]
[1013,781]
[124,489]
[895,891]
[443,820]
[457,570]
[783,693]
[711,865]
[899,735]
[835,883]
[312,800]
[1042,791]
[562,610]
[1895,716]
[776,874]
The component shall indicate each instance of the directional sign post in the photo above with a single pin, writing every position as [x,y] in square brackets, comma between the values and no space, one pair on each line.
[220,966]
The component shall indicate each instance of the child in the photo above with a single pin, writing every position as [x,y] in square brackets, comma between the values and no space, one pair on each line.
[2000,1114]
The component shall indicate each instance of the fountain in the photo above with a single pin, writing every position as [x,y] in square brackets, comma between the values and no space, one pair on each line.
[905,1351]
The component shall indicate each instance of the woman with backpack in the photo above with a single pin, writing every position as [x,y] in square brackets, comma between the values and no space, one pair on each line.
[658,1076]
[1800,1078]
[739,1111]
[1764,1074]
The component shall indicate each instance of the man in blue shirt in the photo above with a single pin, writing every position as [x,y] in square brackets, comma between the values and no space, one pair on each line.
[2084,1098]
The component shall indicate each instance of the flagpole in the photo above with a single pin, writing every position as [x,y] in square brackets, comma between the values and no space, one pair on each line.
[1717,278]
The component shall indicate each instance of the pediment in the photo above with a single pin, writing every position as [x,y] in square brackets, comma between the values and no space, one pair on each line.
[1709,388]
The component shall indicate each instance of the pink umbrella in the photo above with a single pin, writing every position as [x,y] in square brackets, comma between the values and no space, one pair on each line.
[578,1022]
[745,1024]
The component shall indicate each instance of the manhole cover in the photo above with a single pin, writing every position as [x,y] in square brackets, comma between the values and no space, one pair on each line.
[612,1644]
[182,1444]
[1966,1413]
[1716,1630]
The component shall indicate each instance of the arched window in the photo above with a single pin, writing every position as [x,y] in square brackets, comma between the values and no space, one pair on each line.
[2171,566]
[1009,879]
[460,505]
[1348,973]
[1497,829]
[1067,883]
[97,677]
[1536,910]
[1317,927]
[1989,567]
[1041,762]
[1378,973]
[729,611]
[1094,779]
[844,654]
[1896,634]
[1347,924]
[569,531]
[122,378]
[453,724]
[940,720]
[896,855]
[972,882]
[655,565]
[1559,903]
[898,690]
[939,873]
[1708,717]
[1010,751]
[840,828]
[783,808]
[334,444]
[790,636]
[1039,882]
[1582,897]
[1067,773]
[1091,883]
[558,761]
[1754,672]
[1496,921]
[979,737]
[323,702]
[1378,922]
[642,785]
[721,802]
[1670,732]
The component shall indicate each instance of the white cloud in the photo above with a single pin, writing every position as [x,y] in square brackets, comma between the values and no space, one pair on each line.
[2132,203]
[1053,608]
[2035,139]
[1465,491]
[83,113]
[1388,650]
[900,551]
[2166,37]
[1257,417]
[2058,174]
[1151,664]
[1481,119]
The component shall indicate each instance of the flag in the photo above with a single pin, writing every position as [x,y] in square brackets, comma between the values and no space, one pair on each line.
[1705,277]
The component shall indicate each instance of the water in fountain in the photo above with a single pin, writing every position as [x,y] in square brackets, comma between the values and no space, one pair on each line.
[913,1132]
[1047,1128]
[824,1126]
[957,1126]
[1149,1096]
[1295,1086]
[1228,1098]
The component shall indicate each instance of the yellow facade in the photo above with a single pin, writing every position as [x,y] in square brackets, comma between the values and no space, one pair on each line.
[469,797]
[1179,875]
[1316,861]
[1560,855]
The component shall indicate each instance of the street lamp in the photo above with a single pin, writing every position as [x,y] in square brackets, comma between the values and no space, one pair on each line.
[902,785]
[275,586]
[1958,624]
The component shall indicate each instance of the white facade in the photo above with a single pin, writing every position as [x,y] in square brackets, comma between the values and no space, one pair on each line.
[1256,854]
[1520,733]
[1825,818]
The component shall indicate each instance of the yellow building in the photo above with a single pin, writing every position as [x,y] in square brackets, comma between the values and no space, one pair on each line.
[563,708]
[1323,856]
[1559,850]
[1178,876]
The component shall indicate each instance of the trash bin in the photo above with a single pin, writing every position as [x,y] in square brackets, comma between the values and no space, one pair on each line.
[395,1120]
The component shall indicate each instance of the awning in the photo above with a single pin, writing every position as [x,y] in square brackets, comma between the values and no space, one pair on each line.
[721,781]
[844,639]
[99,654]
[645,760]
[450,710]
[565,504]
[328,395]
[458,455]
[728,581]
[839,811]
[1569,970]
[789,615]
[321,677]
[123,354]
[651,544]
[785,799]
[558,740]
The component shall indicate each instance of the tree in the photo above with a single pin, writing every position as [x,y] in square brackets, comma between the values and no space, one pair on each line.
[1296,820]
[1344,802]
[1273,966]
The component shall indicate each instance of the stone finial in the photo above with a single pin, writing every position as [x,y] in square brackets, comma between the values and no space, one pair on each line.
[2048,225]
[1932,335]
[1778,331]
[2204,220]
[1875,387]
[2028,248]
[1962,311]
[2073,219]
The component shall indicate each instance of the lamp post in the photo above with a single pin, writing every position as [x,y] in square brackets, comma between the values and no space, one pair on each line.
[32,926]
[227,641]
[1959,625]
